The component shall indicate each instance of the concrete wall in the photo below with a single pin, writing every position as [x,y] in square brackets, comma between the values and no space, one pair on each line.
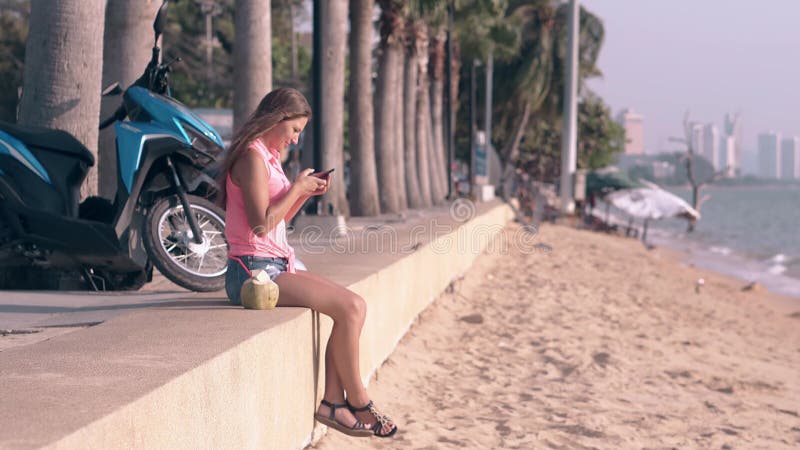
[213,376]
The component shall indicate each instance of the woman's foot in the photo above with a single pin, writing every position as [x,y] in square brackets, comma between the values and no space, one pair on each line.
[380,424]
[338,416]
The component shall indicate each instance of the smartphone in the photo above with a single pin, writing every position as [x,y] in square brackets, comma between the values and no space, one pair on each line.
[322,174]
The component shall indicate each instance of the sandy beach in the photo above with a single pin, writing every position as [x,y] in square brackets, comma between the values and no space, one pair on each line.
[591,341]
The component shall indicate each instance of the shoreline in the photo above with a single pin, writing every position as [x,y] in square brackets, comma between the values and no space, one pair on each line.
[781,302]
[781,276]
[748,273]
[727,262]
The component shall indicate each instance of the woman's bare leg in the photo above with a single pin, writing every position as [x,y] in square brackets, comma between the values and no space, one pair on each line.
[348,312]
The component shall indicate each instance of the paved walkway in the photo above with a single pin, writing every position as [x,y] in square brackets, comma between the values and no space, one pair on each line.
[31,316]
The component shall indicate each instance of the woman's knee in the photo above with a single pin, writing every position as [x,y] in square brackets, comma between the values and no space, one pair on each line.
[355,308]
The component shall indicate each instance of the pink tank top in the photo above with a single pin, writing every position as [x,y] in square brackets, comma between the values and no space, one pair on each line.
[241,239]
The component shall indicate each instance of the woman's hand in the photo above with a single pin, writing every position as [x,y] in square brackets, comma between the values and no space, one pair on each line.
[327,180]
[307,185]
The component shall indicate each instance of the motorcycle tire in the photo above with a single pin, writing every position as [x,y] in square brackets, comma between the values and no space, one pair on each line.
[168,240]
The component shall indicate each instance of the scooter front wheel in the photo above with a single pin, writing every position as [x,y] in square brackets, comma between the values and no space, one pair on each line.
[170,243]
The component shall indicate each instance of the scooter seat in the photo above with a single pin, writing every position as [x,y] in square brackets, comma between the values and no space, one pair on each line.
[49,139]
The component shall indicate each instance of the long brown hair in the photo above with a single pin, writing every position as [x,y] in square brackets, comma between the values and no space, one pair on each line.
[277,106]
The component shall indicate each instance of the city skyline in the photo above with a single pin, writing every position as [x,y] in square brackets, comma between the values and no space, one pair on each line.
[710,58]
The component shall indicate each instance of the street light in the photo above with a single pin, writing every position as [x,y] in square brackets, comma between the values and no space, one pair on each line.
[570,130]
[210,8]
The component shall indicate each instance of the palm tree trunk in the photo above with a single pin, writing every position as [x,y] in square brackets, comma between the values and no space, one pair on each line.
[423,119]
[334,45]
[63,71]
[388,154]
[511,150]
[438,189]
[127,43]
[412,176]
[364,183]
[437,108]
[399,135]
[434,168]
[385,140]
[252,57]
[424,155]
[510,153]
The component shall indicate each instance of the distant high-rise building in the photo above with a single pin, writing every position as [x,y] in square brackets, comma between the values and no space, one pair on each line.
[634,131]
[769,161]
[711,145]
[733,128]
[727,156]
[696,138]
[790,158]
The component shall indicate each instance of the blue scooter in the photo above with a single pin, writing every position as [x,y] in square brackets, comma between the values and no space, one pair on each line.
[162,214]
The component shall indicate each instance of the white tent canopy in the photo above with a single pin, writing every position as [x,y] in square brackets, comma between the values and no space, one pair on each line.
[651,203]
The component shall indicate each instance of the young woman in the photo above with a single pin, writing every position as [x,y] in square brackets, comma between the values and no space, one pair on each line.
[259,201]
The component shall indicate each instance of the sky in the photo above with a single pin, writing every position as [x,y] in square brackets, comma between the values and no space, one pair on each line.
[664,57]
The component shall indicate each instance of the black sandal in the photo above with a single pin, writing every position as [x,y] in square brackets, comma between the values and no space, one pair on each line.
[358,429]
[382,419]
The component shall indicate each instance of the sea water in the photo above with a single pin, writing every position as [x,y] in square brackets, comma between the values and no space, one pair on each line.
[751,232]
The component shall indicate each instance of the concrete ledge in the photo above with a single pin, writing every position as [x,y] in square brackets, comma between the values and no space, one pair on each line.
[215,376]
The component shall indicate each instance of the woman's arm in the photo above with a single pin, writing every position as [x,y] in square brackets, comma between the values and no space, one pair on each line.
[319,191]
[250,173]
[295,208]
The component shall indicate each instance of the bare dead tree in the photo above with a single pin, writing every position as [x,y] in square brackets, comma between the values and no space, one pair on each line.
[697,201]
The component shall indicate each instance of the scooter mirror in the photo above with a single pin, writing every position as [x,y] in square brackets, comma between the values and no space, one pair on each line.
[161,20]
[112,89]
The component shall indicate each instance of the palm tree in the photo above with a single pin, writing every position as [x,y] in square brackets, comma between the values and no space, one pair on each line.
[423,117]
[419,143]
[364,183]
[436,72]
[536,74]
[485,27]
[386,105]
[531,75]
[432,93]
[63,71]
[432,48]
[399,132]
[252,56]
[414,178]
[331,116]
[127,44]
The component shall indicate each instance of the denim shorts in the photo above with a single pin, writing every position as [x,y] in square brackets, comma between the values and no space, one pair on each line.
[236,275]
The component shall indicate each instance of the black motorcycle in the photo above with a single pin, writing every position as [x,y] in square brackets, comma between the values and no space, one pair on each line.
[162,214]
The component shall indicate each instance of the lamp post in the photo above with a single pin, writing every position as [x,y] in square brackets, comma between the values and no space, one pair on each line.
[210,9]
[570,131]
[487,122]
